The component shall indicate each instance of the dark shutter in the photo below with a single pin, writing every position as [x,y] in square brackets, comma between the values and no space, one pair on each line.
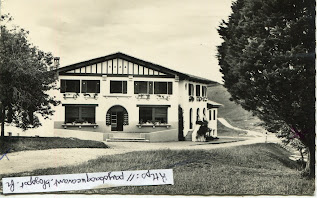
[124,87]
[151,87]
[71,114]
[170,88]
[136,87]
[125,118]
[84,86]
[98,86]
[63,86]
[108,118]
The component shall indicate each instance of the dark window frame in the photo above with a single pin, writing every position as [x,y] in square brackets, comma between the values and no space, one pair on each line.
[197,90]
[154,114]
[149,87]
[168,90]
[190,89]
[124,87]
[80,118]
[86,87]
[204,91]
[64,88]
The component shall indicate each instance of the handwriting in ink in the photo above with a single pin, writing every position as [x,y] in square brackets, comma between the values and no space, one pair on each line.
[5,154]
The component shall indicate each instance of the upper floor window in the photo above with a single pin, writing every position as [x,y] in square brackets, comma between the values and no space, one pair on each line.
[197,90]
[150,87]
[70,86]
[191,90]
[163,88]
[118,87]
[90,86]
[143,87]
[204,91]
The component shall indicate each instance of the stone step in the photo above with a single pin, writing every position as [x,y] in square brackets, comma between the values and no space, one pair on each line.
[126,139]
[126,135]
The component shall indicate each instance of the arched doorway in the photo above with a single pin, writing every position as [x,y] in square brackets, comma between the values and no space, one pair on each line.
[117,117]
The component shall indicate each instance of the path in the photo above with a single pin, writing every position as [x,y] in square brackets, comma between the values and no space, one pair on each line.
[31,160]
[252,133]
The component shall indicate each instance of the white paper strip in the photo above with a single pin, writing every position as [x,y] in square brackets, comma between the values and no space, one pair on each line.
[51,183]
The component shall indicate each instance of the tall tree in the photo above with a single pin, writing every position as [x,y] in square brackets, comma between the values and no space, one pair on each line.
[24,79]
[268,62]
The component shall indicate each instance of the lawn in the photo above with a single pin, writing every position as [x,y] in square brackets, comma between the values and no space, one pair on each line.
[251,169]
[40,143]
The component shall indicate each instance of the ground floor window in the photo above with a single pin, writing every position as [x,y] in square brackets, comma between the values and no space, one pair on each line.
[153,115]
[80,114]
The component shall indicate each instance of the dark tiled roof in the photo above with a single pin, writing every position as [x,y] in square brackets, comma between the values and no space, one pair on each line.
[182,76]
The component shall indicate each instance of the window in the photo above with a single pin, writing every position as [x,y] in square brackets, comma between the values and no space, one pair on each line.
[118,87]
[204,91]
[190,118]
[214,114]
[197,115]
[191,90]
[143,87]
[80,114]
[70,86]
[90,86]
[163,88]
[209,114]
[197,90]
[153,114]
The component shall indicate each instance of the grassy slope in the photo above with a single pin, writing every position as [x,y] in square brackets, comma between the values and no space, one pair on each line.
[41,143]
[232,112]
[251,169]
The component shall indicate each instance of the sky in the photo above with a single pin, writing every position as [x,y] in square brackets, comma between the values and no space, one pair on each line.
[178,34]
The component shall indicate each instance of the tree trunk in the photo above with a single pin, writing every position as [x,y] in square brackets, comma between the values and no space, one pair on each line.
[309,170]
[2,120]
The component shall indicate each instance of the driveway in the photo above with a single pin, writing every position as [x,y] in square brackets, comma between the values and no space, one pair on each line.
[40,159]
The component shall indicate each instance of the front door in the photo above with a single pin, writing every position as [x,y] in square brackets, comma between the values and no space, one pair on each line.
[117,121]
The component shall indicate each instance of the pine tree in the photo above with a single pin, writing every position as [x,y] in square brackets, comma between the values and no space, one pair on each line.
[268,62]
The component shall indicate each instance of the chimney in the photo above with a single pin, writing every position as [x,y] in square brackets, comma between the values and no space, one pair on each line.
[55,64]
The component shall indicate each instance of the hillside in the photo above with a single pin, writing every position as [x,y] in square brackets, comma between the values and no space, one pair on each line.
[231,111]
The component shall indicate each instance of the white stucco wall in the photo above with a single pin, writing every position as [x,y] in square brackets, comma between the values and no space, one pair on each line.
[129,101]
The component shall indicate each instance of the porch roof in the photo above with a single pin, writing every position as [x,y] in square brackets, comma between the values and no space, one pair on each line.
[212,104]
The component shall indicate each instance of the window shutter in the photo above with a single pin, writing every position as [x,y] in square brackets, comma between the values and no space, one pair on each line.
[125,118]
[108,119]
[136,87]
[84,86]
[98,87]
[63,86]
[150,87]
[170,88]
[124,87]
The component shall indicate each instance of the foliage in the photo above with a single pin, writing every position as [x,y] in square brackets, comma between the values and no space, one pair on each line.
[180,124]
[268,62]
[24,80]
[20,143]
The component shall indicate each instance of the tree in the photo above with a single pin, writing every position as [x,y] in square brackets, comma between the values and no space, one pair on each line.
[24,79]
[268,62]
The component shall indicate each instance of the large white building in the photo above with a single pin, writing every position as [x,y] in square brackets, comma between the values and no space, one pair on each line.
[122,98]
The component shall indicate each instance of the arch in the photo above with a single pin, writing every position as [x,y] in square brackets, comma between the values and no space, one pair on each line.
[190,118]
[117,116]
[197,115]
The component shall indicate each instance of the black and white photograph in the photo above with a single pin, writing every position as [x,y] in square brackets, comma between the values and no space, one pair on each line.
[147,98]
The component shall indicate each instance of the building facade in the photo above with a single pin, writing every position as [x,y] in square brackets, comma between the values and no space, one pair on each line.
[120,98]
